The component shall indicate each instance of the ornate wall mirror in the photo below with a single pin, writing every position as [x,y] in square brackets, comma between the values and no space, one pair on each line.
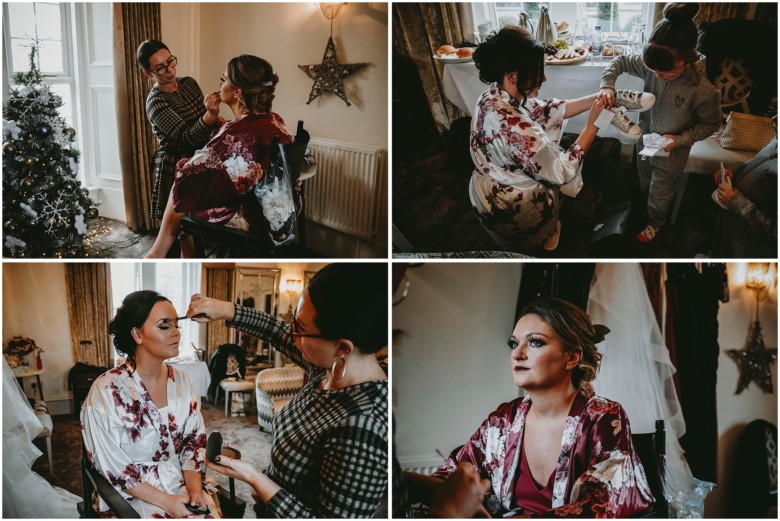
[257,288]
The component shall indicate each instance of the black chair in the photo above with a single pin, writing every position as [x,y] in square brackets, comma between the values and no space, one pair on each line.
[651,449]
[741,62]
[754,474]
[234,243]
[93,481]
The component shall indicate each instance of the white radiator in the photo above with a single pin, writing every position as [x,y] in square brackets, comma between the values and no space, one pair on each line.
[344,193]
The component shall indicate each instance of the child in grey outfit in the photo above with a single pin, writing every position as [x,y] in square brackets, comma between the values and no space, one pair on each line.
[687,107]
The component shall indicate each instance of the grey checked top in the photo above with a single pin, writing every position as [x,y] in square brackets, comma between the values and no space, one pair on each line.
[329,449]
[176,119]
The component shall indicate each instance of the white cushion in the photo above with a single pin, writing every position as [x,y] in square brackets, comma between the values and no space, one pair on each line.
[706,156]
[237,385]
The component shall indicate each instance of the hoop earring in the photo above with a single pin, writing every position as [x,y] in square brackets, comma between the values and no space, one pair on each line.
[343,369]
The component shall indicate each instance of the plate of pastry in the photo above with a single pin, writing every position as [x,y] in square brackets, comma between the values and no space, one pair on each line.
[450,54]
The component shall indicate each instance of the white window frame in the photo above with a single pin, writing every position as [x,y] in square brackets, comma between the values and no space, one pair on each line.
[67,77]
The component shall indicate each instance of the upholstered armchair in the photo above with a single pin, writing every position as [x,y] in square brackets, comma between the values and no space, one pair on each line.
[274,388]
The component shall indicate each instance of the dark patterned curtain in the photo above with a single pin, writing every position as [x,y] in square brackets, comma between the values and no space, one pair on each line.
[219,285]
[714,11]
[134,23]
[418,30]
[88,287]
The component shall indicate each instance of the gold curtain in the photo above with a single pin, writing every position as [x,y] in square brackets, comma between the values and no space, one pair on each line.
[714,11]
[418,30]
[134,23]
[89,310]
[219,285]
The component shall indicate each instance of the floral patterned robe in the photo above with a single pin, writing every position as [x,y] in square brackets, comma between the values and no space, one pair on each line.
[130,441]
[520,169]
[237,154]
[598,472]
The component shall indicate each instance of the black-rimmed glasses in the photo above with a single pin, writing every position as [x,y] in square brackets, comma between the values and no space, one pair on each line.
[162,69]
[294,330]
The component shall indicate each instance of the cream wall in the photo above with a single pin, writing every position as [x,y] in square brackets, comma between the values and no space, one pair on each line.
[450,365]
[35,306]
[288,35]
[735,411]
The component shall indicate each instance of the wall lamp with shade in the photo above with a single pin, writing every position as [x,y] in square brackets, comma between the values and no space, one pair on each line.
[755,360]
[293,288]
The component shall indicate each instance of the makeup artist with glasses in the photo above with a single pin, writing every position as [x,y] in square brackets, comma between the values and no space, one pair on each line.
[329,450]
[141,421]
[181,118]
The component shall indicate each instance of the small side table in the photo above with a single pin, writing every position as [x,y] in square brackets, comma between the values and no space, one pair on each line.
[21,373]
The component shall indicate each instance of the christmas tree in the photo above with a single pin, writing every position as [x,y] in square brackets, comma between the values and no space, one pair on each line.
[45,208]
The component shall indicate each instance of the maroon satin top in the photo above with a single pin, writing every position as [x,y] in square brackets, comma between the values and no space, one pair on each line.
[528,493]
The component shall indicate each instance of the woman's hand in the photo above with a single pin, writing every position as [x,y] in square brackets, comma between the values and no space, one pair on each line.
[607,95]
[729,174]
[210,308]
[461,494]
[726,192]
[671,147]
[211,102]
[234,468]
[196,498]
[595,110]
[174,505]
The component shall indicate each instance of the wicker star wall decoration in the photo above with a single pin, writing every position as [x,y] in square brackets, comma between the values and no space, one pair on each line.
[329,75]
[755,362]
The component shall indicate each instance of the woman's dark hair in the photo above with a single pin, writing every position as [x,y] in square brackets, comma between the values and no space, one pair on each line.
[146,50]
[674,37]
[132,313]
[574,329]
[256,79]
[512,49]
[351,303]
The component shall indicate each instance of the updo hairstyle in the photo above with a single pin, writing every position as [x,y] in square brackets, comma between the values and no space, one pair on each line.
[512,49]
[574,329]
[256,79]
[673,38]
[132,313]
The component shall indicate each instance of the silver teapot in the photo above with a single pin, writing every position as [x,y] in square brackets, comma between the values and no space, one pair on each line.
[545,30]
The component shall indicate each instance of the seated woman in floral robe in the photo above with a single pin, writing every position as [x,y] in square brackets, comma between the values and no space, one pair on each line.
[521,171]
[594,470]
[141,421]
[213,180]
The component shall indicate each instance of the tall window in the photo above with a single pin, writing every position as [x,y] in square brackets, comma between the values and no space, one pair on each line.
[613,17]
[50,24]
[176,281]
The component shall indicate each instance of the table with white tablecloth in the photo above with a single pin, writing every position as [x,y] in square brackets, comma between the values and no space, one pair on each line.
[463,87]
[199,374]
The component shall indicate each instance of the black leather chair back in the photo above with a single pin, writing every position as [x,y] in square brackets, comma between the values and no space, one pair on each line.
[651,449]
